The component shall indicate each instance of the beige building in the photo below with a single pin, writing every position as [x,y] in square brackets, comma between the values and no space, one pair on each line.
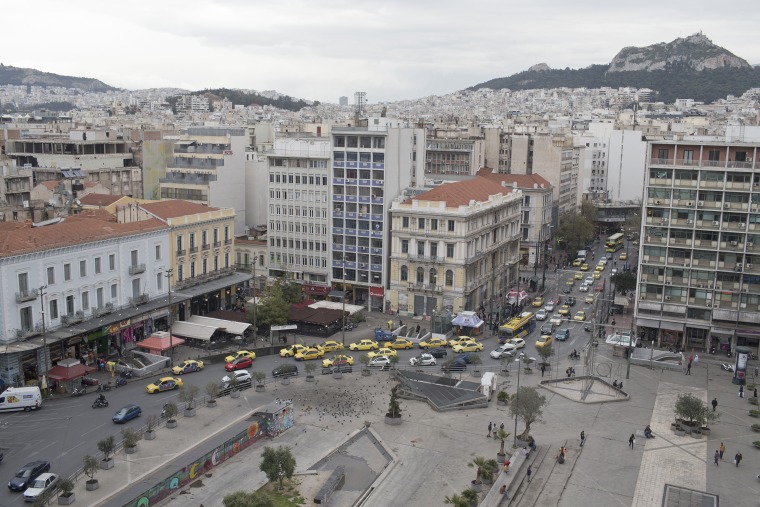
[453,247]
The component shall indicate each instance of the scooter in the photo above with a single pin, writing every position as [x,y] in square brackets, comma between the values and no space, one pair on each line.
[727,367]
[121,382]
[79,391]
[100,403]
[104,387]
[573,356]
[126,374]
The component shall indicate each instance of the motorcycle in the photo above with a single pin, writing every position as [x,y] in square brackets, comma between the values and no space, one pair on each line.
[572,355]
[712,350]
[126,374]
[727,367]
[79,391]
[100,403]
[121,382]
[104,387]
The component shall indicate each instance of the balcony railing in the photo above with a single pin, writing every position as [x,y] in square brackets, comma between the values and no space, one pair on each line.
[103,310]
[217,244]
[139,300]
[26,295]
[198,279]
[193,249]
[136,269]
[73,318]
[206,246]
[228,241]
[181,253]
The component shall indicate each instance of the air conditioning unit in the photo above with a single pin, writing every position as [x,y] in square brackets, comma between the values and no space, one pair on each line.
[750,244]
[727,205]
[642,296]
[669,282]
[716,305]
[745,289]
[754,208]
[690,222]
[667,298]
[686,264]
[748,266]
[716,223]
[644,278]
[742,224]
[664,221]
[649,238]
[701,286]
[733,243]
[690,203]
[657,202]
[719,286]
[700,203]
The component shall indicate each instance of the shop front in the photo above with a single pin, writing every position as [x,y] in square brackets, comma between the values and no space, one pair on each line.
[313,291]
[672,335]
[697,337]
[376,297]
[748,338]
[722,339]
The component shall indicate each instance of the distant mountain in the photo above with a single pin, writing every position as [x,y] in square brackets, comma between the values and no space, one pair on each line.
[19,76]
[248,98]
[692,67]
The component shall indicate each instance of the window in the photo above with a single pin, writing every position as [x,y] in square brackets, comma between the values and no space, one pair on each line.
[53,304]
[97,265]
[433,276]
[434,224]
[159,281]
[226,232]
[112,262]
[23,283]
[404,246]
[205,266]
[433,250]
[405,222]
[67,272]
[82,268]
[158,252]
[420,275]
[421,223]
[420,248]
[99,297]
[404,273]
[179,244]
[226,260]
[70,305]
[25,316]
[192,240]
[449,278]
[85,301]
[688,157]
[449,250]
[180,272]
[203,238]
[51,275]
[451,226]
[136,288]
[192,270]
[662,154]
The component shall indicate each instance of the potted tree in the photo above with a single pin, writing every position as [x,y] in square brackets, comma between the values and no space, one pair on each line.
[694,414]
[106,446]
[130,437]
[476,361]
[310,367]
[212,391]
[150,427]
[754,413]
[502,436]
[91,467]
[393,416]
[506,361]
[171,413]
[187,395]
[755,427]
[480,464]
[470,498]
[526,404]
[756,443]
[502,398]
[545,353]
[259,378]
[365,359]
[66,486]
[527,361]
[394,360]
[752,400]
[491,469]
[233,383]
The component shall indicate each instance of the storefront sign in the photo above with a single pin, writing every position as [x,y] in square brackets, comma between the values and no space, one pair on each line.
[376,292]
[112,329]
[74,340]
[125,323]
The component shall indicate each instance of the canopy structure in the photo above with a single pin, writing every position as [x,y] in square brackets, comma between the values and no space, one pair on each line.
[68,369]
[515,296]
[193,330]
[467,319]
[160,341]
[228,326]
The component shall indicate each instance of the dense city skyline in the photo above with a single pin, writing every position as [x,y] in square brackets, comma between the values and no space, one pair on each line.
[324,49]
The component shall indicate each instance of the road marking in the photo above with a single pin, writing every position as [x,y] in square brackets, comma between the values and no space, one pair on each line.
[36,452]
[93,429]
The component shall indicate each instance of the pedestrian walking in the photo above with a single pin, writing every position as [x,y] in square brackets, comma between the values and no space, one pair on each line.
[741,391]
[716,457]
[738,458]
[696,359]
[501,426]
[530,472]
[490,427]
[631,440]
[688,368]
[583,438]
[543,369]
[722,449]
[714,403]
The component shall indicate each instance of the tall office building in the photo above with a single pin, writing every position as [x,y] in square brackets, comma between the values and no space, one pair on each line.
[699,280]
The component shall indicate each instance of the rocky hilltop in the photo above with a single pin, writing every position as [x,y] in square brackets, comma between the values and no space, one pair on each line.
[696,52]
[19,76]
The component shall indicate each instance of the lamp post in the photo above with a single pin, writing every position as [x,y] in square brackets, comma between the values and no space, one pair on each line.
[41,293]
[171,339]
[343,313]
[517,394]
[255,304]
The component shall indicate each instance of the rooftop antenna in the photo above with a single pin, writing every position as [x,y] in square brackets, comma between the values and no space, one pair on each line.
[360,101]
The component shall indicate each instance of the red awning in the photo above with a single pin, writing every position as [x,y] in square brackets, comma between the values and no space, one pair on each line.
[315,290]
[64,373]
[160,343]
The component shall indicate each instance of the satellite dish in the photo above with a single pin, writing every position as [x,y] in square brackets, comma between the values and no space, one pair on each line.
[51,202]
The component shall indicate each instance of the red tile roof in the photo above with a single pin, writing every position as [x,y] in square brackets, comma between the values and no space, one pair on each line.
[526,181]
[17,238]
[462,192]
[175,208]
[100,200]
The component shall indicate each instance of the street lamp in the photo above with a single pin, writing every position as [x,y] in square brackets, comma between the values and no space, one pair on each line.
[41,293]
[168,276]
[517,395]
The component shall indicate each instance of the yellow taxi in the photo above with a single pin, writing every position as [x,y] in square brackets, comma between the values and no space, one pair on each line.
[240,353]
[364,345]
[164,384]
[590,298]
[189,366]
[292,350]
[599,268]
[340,358]
[432,343]
[400,343]
[544,341]
[538,302]
[468,347]
[580,316]
[597,275]
[385,351]
[577,262]
[584,267]
[564,310]
[460,339]
[578,276]
[330,346]
[623,256]
[309,353]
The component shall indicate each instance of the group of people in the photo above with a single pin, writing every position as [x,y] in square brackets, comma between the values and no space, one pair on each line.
[492,428]
[570,371]
[561,455]
[719,455]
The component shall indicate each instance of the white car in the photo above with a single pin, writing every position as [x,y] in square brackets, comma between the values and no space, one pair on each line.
[241,375]
[609,256]
[589,280]
[380,362]
[515,343]
[41,485]
[502,351]
[556,319]
[583,288]
[614,271]
[541,314]
[422,360]
[549,307]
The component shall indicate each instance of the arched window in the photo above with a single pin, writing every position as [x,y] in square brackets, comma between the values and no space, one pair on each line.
[449,278]
[404,273]
[420,275]
[433,276]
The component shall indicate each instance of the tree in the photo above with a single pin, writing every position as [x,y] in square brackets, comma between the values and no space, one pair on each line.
[277,463]
[91,466]
[171,411]
[187,394]
[456,500]
[624,281]
[292,292]
[689,407]
[66,486]
[310,367]
[130,437]
[248,499]
[527,404]
[106,446]
[273,308]
[212,389]
[545,353]
[575,231]
[470,496]
[590,212]
[480,464]
[502,435]
[365,359]
[394,409]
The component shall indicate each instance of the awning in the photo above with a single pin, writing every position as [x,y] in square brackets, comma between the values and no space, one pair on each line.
[160,341]
[698,326]
[467,319]
[213,285]
[192,330]
[336,294]
[671,326]
[228,326]
[722,331]
[315,290]
[63,373]
[648,323]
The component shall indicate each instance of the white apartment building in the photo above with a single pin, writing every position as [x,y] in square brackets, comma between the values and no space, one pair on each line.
[77,284]
[298,210]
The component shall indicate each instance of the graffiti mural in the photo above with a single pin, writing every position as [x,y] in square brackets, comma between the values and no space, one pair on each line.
[279,421]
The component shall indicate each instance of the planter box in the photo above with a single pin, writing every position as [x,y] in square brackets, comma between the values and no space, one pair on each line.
[366,373]
[259,388]
[149,435]
[92,485]
[500,458]
[476,373]
[696,434]
[67,500]
[171,423]
[501,403]
[392,421]
[476,486]
[337,375]
[705,431]
[285,381]
[680,432]
[106,465]
[211,403]
[130,450]
[756,414]
[309,378]
[190,412]
[236,393]
[522,443]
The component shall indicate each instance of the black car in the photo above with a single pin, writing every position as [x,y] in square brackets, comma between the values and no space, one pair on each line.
[547,328]
[26,475]
[438,352]
[465,358]
[338,367]
[456,364]
[285,370]
[571,300]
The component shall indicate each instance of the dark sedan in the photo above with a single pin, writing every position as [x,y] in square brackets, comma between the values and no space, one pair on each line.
[127,413]
[26,475]
[438,352]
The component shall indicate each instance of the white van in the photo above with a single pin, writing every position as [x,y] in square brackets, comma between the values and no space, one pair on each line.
[21,398]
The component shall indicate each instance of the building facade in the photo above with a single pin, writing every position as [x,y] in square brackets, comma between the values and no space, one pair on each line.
[699,278]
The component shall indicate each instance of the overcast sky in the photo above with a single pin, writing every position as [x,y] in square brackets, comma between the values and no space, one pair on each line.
[322,49]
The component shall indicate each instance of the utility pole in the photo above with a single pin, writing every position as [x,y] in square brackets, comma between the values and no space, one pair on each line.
[343,320]
[255,305]
[517,394]
[171,338]
[41,294]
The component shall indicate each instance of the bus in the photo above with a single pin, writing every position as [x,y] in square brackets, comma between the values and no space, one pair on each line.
[614,243]
[518,327]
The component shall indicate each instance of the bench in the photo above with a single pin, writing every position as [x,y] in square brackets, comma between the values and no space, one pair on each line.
[335,481]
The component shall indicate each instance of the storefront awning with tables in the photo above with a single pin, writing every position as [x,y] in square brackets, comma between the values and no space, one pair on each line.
[228,326]
[160,341]
[192,330]
[68,369]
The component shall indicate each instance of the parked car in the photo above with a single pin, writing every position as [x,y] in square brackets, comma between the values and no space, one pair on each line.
[400,344]
[27,474]
[382,362]
[242,376]
[240,353]
[340,358]
[309,354]
[562,334]
[285,370]
[364,345]
[468,347]
[455,364]
[541,314]
[422,360]
[127,413]
[330,346]
[432,343]
[385,351]
[438,352]
[292,350]
[40,487]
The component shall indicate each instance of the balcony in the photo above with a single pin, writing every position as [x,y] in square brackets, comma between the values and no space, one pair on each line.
[193,249]
[198,279]
[26,295]
[139,300]
[180,253]
[73,318]
[424,287]
[206,246]
[136,269]
[28,332]
[103,310]
[217,244]
[228,242]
